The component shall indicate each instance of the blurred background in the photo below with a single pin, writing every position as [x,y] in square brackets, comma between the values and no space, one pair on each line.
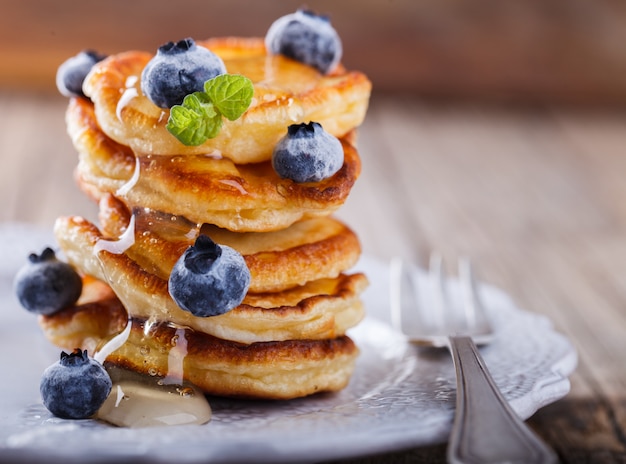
[566,51]
[496,130]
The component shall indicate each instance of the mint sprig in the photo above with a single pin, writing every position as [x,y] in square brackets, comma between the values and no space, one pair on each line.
[200,115]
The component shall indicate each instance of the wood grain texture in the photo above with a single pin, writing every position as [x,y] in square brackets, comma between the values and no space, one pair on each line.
[539,50]
[534,195]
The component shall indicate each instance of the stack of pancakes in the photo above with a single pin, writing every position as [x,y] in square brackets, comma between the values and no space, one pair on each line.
[288,337]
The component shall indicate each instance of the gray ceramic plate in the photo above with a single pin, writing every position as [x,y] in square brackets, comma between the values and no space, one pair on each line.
[400,396]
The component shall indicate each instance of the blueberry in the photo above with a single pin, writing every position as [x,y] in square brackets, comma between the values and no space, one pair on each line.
[75,386]
[209,279]
[72,72]
[177,70]
[46,285]
[306,37]
[307,153]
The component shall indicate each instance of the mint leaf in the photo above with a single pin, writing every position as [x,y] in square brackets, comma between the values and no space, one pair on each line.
[195,120]
[230,93]
[199,117]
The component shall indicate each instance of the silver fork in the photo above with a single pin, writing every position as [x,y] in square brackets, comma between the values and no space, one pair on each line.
[485,428]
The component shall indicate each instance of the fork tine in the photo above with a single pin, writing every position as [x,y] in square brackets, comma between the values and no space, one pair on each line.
[475,315]
[404,293]
[468,285]
[439,294]
[408,314]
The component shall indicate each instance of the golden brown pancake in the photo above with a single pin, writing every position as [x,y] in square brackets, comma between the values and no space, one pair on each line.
[287,338]
[203,189]
[308,250]
[269,370]
[321,308]
[285,92]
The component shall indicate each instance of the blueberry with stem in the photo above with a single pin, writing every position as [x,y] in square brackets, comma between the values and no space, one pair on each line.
[75,387]
[46,285]
[306,37]
[177,70]
[307,153]
[209,279]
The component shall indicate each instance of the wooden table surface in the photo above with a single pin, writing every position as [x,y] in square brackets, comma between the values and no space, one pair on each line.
[535,196]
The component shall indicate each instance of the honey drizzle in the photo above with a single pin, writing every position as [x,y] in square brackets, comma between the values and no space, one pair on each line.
[138,400]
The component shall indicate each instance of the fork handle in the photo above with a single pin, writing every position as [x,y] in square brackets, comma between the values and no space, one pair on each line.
[486,429]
